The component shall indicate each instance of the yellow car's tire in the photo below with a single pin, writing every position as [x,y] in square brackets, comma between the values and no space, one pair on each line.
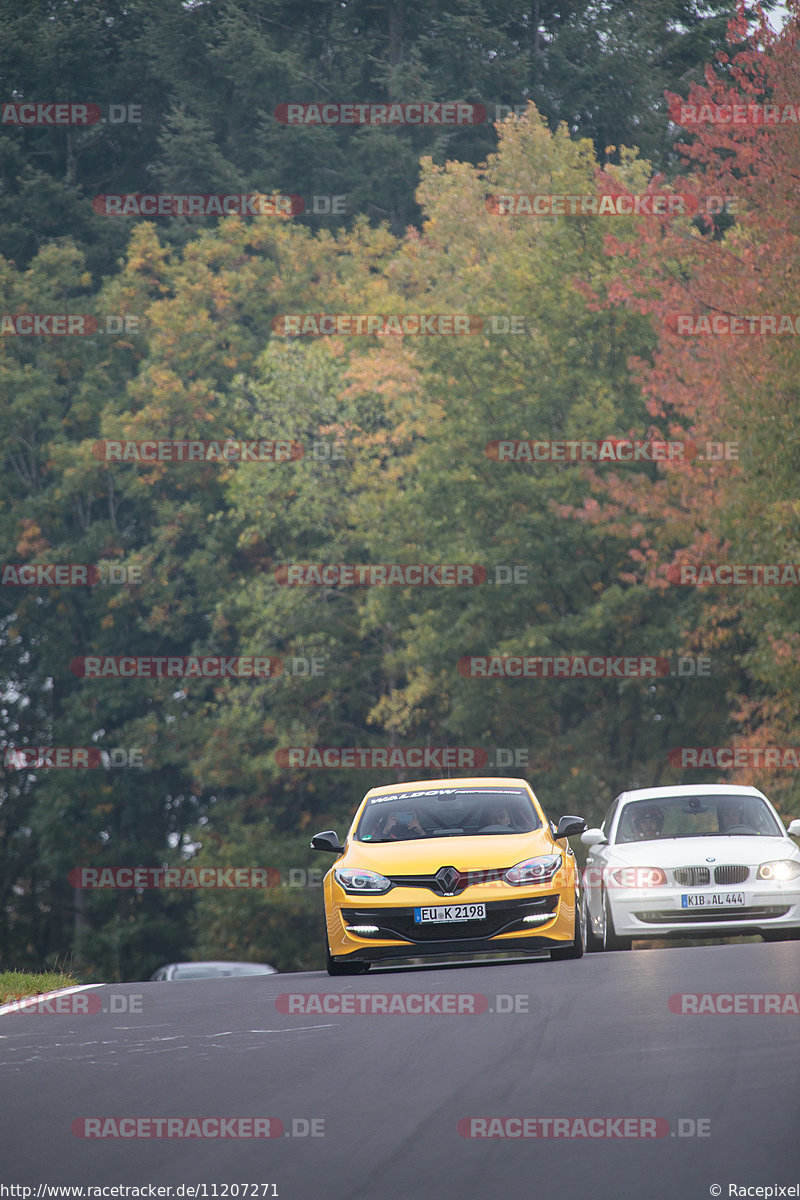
[559,953]
[343,968]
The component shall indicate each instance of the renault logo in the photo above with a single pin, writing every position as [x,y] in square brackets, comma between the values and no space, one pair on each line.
[448,879]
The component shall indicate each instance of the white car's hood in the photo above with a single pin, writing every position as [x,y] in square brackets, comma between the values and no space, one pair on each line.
[696,851]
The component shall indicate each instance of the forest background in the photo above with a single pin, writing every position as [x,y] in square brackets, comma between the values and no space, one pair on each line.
[579,341]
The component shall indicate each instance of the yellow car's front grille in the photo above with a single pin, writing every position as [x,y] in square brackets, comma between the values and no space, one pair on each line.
[502,916]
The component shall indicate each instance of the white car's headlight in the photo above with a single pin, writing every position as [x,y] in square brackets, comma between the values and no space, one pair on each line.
[354,879]
[637,877]
[533,870]
[781,870]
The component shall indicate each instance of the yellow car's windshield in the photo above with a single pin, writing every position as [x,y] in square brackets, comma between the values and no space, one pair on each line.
[447,812]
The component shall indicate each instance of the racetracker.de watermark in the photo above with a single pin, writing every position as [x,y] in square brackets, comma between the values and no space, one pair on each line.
[221,204]
[53,113]
[395,324]
[737,114]
[574,666]
[583,1127]
[398,574]
[148,666]
[224,878]
[739,758]
[722,324]
[453,1004]
[189,450]
[734,574]
[605,204]
[375,757]
[607,450]
[414,112]
[77,1003]
[68,324]
[47,758]
[197,204]
[551,204]
[174,878]
[730,1004]
[380,574]
[213,1128]
[623,877]
[69,574]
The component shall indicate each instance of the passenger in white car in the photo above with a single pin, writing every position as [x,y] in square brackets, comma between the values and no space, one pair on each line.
[647,823]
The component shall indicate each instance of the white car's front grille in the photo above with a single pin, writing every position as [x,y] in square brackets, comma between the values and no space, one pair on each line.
[692,876]
[731,874]
[701,876]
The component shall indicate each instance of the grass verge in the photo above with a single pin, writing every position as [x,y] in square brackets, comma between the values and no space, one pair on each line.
[14,985]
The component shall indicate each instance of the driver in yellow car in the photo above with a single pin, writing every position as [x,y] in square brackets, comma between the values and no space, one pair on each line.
[402,825]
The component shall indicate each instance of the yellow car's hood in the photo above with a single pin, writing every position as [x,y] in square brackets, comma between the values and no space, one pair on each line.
[424,856]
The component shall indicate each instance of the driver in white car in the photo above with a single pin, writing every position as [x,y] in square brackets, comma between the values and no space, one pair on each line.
[733,814]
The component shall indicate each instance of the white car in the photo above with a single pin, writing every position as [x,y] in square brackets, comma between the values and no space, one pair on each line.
[694,860]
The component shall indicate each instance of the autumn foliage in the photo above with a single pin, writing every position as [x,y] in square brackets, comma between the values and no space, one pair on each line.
[677,328]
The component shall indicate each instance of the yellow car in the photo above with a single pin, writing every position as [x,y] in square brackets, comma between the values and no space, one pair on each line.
[451,866]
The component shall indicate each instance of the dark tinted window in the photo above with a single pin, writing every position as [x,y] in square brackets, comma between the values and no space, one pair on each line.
[447,812]
[696,816]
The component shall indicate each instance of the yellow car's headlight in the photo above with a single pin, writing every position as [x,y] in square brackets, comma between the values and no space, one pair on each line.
[354,879]
[533,870]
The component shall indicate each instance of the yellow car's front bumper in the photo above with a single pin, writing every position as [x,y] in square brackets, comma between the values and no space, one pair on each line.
[371,928]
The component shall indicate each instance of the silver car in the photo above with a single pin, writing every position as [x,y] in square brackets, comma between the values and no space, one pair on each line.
[210,970]
[693,860]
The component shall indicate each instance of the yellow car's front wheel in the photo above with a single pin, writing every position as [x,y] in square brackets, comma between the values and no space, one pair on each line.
[575,950]
[336,967]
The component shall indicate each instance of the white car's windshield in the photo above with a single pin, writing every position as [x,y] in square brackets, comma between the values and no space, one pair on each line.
[695,816]
[447,812]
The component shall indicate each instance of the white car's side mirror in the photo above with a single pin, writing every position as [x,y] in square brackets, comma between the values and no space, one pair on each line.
[794,827]
[596,837]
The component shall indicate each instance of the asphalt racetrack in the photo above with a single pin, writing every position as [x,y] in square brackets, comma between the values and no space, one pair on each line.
[381,1105]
